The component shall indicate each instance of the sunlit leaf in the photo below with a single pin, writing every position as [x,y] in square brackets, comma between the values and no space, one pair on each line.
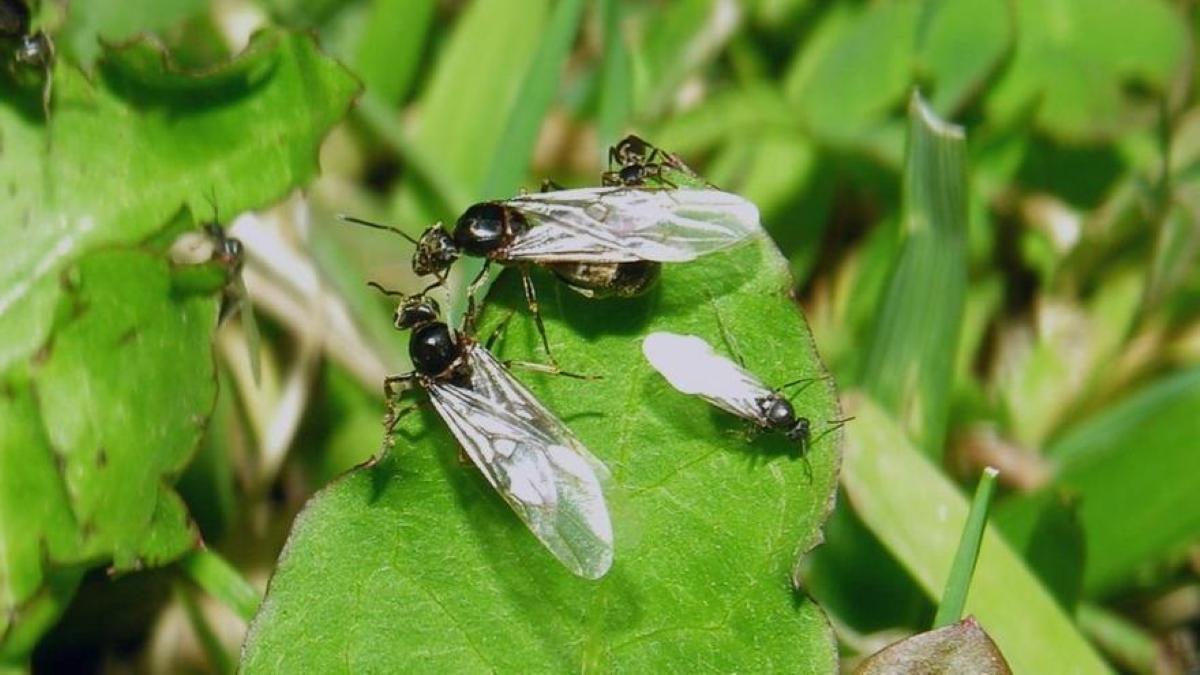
[707,526]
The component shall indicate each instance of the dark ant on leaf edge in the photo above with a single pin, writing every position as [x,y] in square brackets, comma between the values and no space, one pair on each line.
[25,50]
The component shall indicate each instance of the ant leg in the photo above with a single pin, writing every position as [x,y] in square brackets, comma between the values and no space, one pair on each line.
[499,332]
[439,280]
[472,289]
[658,175]
[834,425]
[611,179]
[726,336]
[531,300]
[551,186]
[393,387]
[549,369]
[47,92]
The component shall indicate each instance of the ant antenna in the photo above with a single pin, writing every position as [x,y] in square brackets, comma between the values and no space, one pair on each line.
[834,425]
[378,226]
[386,291]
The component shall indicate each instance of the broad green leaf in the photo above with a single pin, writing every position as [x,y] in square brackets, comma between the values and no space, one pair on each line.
[859,69]
[910,358]
[114,21]
[1067,64]
[1047,531]
[708,526]
[115,409]
[1132,466]
[123,153]
[962,647]
[918,514]
[959,45]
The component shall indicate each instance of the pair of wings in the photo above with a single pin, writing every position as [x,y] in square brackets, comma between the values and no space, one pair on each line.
[533,460]
[622,224]
[691,366]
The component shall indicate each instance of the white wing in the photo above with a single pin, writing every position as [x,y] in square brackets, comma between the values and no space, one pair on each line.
[627,224]
[533,460]
[691,366]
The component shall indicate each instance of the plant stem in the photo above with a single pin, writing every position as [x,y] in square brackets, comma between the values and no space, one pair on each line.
[218,659]
[959,581]
[222,581]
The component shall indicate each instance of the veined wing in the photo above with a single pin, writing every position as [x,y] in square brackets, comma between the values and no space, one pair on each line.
[534,461]
[690,365]
[627,224]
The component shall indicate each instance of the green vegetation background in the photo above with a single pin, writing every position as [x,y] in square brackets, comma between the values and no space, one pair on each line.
[1026,299]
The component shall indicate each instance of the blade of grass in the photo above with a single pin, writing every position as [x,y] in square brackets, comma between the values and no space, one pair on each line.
[222,581]
[910,359]
[959,580]
[391,46]
[1123,640]
[511,160]
[217,658]
[536,93]
[449,193]
[616,83]
[918,513]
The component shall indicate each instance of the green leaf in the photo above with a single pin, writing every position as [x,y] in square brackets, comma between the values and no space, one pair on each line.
[1144,446]
[121,155]
[958,582]
[910,358]
[116,406]
[918,514]
[707,526]
[959,45]
[114,21]
[1065,63]
[856,68]
[962,647]
[1046,529]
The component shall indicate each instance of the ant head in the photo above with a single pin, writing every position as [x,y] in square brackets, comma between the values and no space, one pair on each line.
[631,149]
[416,310]
[799,432]
[436,251]
[35,50]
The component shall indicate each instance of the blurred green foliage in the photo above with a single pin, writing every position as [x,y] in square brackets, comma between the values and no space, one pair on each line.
[1054,333]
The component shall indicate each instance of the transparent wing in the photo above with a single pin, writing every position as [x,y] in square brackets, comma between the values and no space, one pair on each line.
[536,464]
[249,325]
[627,224]
[690,365]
